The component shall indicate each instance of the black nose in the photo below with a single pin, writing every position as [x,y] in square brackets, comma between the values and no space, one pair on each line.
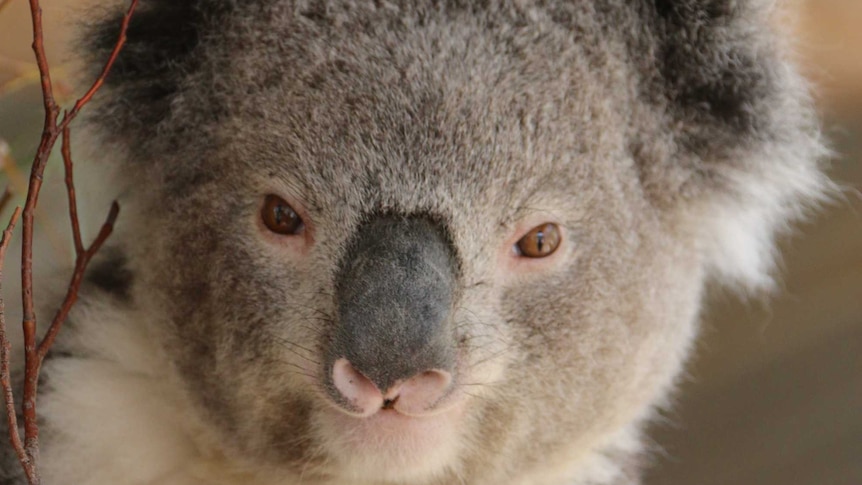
[394,292]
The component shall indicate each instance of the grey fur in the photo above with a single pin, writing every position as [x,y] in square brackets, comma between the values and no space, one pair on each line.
[669,139]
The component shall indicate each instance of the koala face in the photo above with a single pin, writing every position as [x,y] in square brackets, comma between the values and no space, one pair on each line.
[395,277]
[424,243]
[406,271]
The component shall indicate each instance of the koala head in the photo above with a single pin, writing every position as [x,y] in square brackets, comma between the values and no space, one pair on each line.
[424,242]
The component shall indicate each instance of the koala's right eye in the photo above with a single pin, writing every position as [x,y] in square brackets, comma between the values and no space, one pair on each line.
[279,217]
[540,242]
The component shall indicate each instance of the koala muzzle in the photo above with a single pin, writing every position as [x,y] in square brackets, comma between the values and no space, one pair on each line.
[393,345]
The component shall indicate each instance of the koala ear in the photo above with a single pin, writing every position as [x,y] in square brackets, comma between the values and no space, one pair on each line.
[712,64]
[161,49]
[738,151]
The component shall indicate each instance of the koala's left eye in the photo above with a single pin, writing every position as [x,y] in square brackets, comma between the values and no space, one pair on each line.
[540,242]
[279,217]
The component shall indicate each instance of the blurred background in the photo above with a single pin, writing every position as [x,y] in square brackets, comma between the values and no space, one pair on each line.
[773,395]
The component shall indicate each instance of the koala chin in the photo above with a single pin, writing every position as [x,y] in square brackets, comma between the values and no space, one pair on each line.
[415,243]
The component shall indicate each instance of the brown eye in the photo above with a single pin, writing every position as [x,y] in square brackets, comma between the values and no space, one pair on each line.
[540,242]
[280,217]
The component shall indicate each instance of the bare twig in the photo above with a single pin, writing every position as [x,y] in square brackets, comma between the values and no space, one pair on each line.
[35,354]
[70,190]
[83,256]
[121,41]
[72,293]
[31,362]
[6,348]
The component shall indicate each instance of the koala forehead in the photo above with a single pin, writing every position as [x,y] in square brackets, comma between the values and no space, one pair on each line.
[443,109]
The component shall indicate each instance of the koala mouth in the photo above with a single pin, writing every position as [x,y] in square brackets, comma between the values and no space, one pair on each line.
[390,446]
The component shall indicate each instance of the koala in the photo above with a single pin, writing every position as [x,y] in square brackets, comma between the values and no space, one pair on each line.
[429,242]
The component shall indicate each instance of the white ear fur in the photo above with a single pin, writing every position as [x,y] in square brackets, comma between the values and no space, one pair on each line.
[740,228]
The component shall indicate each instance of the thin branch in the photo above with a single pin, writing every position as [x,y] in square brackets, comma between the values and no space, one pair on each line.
[81,263]
[51,108]
[49,138]
[121,41]
[70,190]
[6,348]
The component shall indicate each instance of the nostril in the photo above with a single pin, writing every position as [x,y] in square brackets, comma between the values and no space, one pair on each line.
[419,395]
[416,396]
[356,389]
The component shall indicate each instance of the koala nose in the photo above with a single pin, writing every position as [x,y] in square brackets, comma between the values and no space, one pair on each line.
[393,344]
[416,396]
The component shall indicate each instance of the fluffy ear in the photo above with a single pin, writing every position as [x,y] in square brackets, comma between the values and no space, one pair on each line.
[739,149]
[161,49]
